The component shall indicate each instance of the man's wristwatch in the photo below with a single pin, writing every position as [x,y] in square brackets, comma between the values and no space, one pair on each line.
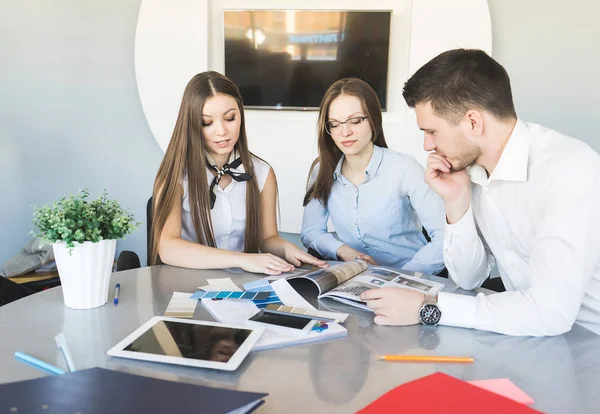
[430,314]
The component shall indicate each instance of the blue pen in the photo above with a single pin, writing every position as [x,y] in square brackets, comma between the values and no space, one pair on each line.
[38,363]
[117,289]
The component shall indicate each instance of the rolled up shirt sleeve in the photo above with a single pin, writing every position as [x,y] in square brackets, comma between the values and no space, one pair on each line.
[314,233]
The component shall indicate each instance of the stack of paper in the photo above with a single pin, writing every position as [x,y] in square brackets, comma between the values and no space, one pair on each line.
[314,313]
[181,306]
[238,312]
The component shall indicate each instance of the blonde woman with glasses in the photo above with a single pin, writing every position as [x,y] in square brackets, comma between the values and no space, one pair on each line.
[376,198]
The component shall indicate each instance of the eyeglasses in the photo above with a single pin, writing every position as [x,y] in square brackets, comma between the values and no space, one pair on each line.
[335,127]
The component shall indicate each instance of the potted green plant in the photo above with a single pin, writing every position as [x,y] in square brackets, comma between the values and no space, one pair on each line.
[84,236]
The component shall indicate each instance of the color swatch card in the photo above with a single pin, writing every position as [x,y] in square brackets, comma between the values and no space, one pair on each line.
[281,287]
[181,306]
[441,393]
[228,294]
[261,285]
[271,299]
[504,387]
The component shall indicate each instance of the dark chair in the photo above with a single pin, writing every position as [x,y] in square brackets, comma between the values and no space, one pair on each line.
[494,284]
[130,260]
[11,291]
[148,229]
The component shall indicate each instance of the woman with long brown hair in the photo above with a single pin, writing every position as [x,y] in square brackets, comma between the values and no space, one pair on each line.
[376,198]
[214,201]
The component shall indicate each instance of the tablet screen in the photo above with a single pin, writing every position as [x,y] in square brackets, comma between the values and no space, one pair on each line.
[179,339]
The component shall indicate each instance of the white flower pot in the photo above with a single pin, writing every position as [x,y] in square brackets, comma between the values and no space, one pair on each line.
[85,272]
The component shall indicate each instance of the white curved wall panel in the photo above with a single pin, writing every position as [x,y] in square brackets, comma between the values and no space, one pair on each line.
[176,40]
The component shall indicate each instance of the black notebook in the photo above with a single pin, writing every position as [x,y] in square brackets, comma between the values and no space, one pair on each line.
[99,390]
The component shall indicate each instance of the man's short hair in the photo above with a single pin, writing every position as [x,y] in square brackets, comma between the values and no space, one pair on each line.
[458,80]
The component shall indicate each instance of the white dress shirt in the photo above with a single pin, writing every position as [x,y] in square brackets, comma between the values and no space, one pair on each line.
[537,218]
[229,213]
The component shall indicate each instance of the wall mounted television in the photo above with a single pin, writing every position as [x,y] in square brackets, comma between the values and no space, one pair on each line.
[286,59]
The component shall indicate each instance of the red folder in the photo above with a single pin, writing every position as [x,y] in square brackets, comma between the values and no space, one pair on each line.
[441,393]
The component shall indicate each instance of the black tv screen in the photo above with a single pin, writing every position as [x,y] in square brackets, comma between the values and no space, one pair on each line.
[286,59]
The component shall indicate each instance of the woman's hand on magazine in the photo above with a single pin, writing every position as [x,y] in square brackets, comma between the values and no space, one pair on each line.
[266,263]
[347,254]
[394,306]
[296,256]
[367,259]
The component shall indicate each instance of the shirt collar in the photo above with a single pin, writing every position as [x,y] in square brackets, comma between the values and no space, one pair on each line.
[372,168]
[338,168]
[513,163]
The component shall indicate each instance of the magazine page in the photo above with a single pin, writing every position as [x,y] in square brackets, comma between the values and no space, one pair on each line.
[328,278]
[352,289]
[427,287]
[376,277]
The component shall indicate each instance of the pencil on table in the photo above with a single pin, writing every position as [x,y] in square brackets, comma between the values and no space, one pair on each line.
[424,358]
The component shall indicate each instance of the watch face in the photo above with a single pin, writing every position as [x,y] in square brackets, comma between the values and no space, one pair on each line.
[430,315]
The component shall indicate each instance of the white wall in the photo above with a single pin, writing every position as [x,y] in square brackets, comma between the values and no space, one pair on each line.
[551,50]
[70,114]
[420,29]
[71,117]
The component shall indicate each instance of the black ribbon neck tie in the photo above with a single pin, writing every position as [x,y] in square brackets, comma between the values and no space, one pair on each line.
[226,169]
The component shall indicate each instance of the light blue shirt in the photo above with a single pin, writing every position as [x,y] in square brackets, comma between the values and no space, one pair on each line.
[381,217]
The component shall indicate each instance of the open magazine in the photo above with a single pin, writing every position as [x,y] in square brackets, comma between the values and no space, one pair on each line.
[345,282]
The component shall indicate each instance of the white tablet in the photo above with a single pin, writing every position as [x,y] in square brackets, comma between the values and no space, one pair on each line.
[189,342]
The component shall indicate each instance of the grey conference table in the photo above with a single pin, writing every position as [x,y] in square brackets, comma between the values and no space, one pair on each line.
[561,373]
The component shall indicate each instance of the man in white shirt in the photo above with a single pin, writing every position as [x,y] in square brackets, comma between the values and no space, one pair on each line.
[517,195]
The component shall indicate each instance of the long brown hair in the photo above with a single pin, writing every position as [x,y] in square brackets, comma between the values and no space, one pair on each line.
[329,153]
[186,155]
